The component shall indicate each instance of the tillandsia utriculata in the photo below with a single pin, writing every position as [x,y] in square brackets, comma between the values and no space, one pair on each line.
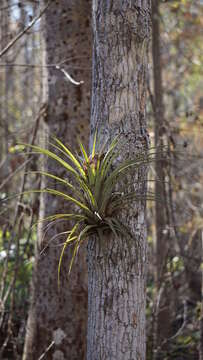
[94,189]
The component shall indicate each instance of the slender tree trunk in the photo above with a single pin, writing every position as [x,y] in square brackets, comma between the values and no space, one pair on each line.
[162,321]
[6,81]
[57,319]
[117,266]
[25,73]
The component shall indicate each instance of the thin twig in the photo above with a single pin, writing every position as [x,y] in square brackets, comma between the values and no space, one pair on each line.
[64,61]
[46,351]
[21,33]
[12,174]
[26,65]
[56,66]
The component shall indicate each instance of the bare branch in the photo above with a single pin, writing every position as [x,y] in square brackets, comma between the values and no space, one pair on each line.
[12,174]
[68,76]
[21,33]
[46,351]
[56,66]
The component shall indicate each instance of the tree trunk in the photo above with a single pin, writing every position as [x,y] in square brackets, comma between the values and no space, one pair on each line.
[117,266]
[162,320]
[57,319]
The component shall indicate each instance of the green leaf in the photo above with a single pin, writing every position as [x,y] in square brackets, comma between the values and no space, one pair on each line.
[71,156]
[95,192]
[94,145]
[67,197]
[88,193]
[52,155]
[82,234]
[52,176]
[86,230]
[62,216]
[83,151]
[69,239]
[65,182]
[59,193]
[75,250]
[111,225]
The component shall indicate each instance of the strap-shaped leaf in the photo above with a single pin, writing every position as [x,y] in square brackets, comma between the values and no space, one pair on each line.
[71,237]
[94,145]
[71,156]
[75,189]
[86,230]
[111,225]
[107,161]
[83,151]
[121,170]
[88,194]
[62,216]
[67,197]
[78,241]
[94,193]
[52,155]
[59,193]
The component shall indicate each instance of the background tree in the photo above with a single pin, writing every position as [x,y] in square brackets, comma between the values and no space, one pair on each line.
[163,241]
[182,134]
[57,318]
[18,120]
[117,265]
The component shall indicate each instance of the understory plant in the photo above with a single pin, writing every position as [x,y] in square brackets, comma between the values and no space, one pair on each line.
[93,188]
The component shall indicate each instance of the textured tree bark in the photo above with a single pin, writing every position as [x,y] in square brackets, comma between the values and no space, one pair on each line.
[162,320]
[57,319]
[117,266]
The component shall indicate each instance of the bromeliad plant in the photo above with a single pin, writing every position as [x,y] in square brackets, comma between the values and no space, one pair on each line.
[93,191]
